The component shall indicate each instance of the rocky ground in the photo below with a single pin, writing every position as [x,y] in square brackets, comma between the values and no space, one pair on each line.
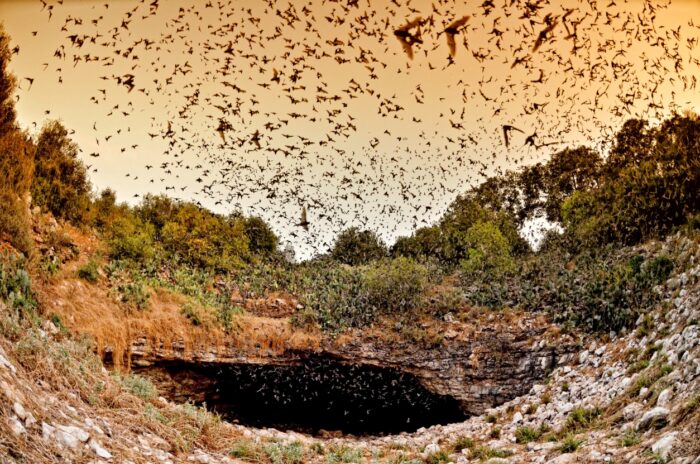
[631,398]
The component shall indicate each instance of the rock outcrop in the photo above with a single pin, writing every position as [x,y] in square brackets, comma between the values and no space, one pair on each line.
[480,367]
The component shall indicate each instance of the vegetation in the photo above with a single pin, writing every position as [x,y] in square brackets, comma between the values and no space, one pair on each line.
[354,247]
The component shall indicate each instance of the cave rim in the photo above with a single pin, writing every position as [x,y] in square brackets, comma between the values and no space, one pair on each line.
[403,417]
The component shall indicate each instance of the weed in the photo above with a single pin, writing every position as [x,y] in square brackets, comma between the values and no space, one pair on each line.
[630,438]
[89,271]
[570,444]
[140,386]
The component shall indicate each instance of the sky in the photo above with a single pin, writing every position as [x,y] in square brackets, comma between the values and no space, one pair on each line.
[265,107]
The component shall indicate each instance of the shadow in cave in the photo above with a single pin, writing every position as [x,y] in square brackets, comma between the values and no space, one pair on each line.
[315,394]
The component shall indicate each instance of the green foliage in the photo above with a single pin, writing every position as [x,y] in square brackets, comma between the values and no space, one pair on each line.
[441,457]
[487,250]
[396,285]
[15,283]
[140,386]
[581,419]
[60,181]
[129,238]
[630,438]
[278,453]
[570,444]
[527,434]
[261,239]
[90,271]
[354,247]
[337,454]
[425,242]
[462,443]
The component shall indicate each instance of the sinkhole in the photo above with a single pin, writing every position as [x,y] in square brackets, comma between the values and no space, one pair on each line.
[316,395]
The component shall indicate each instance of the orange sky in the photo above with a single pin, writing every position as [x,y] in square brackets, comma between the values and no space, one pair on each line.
[349,127]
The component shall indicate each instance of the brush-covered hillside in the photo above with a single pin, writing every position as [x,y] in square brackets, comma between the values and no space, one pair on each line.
[585,349]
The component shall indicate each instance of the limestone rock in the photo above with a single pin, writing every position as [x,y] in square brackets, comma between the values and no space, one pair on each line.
[664,445]
[656,417]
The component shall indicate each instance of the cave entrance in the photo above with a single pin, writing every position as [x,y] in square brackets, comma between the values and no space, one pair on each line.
[309,396]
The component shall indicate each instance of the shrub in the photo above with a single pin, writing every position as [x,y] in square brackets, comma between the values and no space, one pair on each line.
[129,238]
[60,181]
[354,247]
[441,457]
[278,453]
[15,283]
[487,250]
[261,239]
[140,386]
[630,438]
[90,271]
[527,434]
[396,285]
[581,419]
[570,444]
[16,166]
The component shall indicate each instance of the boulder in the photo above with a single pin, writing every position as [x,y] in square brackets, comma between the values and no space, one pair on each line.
[656,417]
[664,445]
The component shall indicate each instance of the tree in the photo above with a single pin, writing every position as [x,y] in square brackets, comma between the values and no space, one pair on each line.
[354,247]
[487,250]
[16,161]
[262,240]
[569,171]
[60,181]
[7,86]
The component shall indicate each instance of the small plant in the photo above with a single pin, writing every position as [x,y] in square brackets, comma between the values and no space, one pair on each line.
[581,419]
[462,443]
[90,271]
[570,444]
[278,453]
[546,397]
[565,387]
[441,457]
[527,434]
[495,433]
[140,386]
[245,450]
[343,454]
[485,452]
[630,438]
[491,419]
[638,366]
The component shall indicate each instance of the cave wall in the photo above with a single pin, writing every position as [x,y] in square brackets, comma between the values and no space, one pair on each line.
[484,369]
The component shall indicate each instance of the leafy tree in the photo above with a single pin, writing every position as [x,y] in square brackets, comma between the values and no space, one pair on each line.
[16,161]
[569,171]
[425,242]
[487,250]
[60,181]
[262,240]
[7,86]
[354,246]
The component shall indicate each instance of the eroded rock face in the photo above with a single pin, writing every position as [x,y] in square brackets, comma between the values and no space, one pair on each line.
[480,367]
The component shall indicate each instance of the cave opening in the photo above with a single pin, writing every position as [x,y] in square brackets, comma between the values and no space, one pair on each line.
[315,395]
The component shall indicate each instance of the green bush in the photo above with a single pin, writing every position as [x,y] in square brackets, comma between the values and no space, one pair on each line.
[487,250]
[90,271]
[570,444]
[60,182]
[129,238]
[527,434]
[262,240]
[396,285]
[140,386]
[355,247]
[15,283]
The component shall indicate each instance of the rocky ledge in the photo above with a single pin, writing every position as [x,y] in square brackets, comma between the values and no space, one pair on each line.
[479,365]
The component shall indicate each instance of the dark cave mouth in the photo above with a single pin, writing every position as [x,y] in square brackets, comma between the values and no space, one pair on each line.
[311,396]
